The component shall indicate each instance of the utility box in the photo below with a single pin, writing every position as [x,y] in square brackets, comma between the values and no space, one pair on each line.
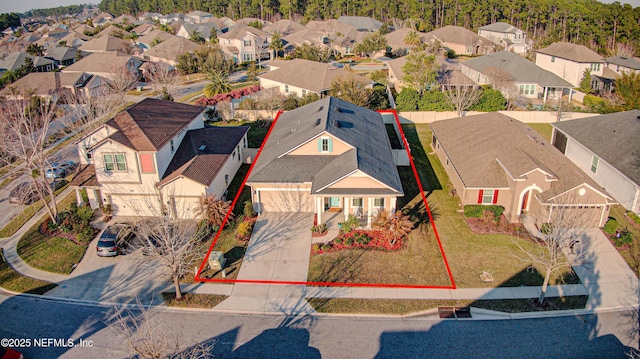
[216,260]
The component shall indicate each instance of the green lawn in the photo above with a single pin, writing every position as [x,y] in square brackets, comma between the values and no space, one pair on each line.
[193,300]
[51,254]
[631,255]
[14,281]
[544,129]
[256,134]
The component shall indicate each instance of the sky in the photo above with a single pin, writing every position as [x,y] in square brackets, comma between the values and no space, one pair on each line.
[26,5]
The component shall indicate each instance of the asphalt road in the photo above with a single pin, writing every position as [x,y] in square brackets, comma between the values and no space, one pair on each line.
[607,335]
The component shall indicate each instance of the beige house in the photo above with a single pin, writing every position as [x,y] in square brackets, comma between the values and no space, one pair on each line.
[327,156]
[168,51]
[157,157]
[506,35]
[51,85]
[462,41]
[107,44]
[622,64]
[569,61]
[492,159]
[245,43]
[107,65]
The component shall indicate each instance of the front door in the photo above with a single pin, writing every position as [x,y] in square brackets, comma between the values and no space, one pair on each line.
[334,202]
[525,201]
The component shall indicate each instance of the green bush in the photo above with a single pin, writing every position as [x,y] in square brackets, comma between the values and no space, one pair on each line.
[244,230]
[407,100]
[490,101]
[625,238]
[633,216]
[248,209]
[477,210]
[350,224]
[434,100]
[611,226]
[547,228]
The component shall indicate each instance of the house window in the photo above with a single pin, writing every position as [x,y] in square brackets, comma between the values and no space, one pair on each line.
[304,92]
[378,202]
[226,179]
[325,145]
[286,88]
[171,142]
[246,43]
[356,202]
[553,59]
[114,162]
[595,67]
[487,196]
[245,142]
[528,89]
[594,164]
[233,155]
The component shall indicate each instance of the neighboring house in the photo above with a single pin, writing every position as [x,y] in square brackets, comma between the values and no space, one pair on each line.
[102,19]
[15,60]
[48,85]
[149,16]
[327,156]
[143,29]
[75,39]
[106,65]
[113,31]
[304,36]
[506,35]
[168,51]
[622,64]
[124,19]
[84,28]
[56,34]
[361,23]
[198,17]
[61,55]
[569,61]
[301,77]
[107,44]
[171,18]
[396,74]
[462,41]
[283,27]
[157,158]
[395,40]
[245,43]
[493,159]
[530,80]
[606,148]
[339,36]
[153,38]
[202,29]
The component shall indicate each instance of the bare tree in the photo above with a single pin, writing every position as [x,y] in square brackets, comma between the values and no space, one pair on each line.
[213,209]
[561,229]
[25,127]
[122,79]
[146,335]
[503,81]
[163,76]
[351,88]
[461,97]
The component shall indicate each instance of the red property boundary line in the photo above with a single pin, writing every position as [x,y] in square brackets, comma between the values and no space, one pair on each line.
[329,284]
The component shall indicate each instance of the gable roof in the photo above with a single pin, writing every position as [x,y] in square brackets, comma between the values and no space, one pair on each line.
[46,83]
[106,43]
[501,27]
[573,52]
[305,35]
[203,165]
[396,38]
[60,53]
[16,59]
[151,123]
[599,133]
[204,28]
[171,48]
[632,63]
[112,31]
[361,128]
[520,68]
[142,28]
[396,66]
[485,149]
[311,75]
[100,63]
[159,34]
[283,27]
[458,35]
[361,23]
[239,32]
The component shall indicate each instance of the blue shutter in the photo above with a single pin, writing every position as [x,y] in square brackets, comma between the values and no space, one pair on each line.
[330,145]
[319,144]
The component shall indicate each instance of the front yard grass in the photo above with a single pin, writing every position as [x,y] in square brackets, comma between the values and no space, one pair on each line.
[256,134]
[193,300]
[52,254]
[420,262]
[16,282]
[631,253]
[408,306]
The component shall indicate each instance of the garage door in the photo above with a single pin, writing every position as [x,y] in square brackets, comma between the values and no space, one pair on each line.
[286,201]
[583,216]
[124,205]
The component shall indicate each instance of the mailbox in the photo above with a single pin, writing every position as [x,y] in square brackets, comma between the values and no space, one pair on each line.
[216,260]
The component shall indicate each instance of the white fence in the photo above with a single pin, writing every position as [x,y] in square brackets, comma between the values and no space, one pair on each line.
[250,155]
[523,116]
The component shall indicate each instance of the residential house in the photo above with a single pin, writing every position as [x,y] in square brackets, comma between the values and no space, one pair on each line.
[168,51]
[156,158]
[515,72]
[569,61]
[49,85]
[75,39]
[339,36]
[61,55]
[107,44]
[143,28]
[361,23]
[15,60]
[506,35]
[154,16]
[171,18]
[396,74]
[113,31]
[56,34]
[606,148]
[124,19]
[107,65]
[84,28]
[153,38]
[622,64]
[327,156]
[198,17]
[301,77]
[396,40]
[203,30]
[283,27]
[245,43]
[462,41]
[304,36]
[493,159]
[102,19]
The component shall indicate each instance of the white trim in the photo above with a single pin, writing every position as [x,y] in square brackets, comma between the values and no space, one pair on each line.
[281,189]
[582,184]
[323,133]
[352,173]
[526,189]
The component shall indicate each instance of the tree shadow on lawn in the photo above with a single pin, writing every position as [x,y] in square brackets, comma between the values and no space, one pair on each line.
[530,276]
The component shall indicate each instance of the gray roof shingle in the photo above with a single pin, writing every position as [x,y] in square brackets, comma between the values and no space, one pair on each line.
[573,52]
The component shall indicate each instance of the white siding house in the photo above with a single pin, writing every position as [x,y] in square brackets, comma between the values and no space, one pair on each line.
[569,61]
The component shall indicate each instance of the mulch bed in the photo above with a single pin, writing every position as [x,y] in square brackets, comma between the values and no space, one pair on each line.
[44,229]
[480,226]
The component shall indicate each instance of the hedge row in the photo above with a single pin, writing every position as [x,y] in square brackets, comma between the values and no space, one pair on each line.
[476,210]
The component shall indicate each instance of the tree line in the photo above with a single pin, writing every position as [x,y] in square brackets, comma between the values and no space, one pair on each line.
[56,11]
[589,22]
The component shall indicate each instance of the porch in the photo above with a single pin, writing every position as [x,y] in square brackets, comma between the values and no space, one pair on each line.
[335,209]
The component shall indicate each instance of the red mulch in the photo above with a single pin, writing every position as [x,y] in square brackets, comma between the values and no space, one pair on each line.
[479,226]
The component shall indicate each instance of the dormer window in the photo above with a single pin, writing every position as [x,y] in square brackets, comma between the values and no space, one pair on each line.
[325,144]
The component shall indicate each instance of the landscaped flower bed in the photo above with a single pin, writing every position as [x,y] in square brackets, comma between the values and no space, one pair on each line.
[235,94]
[364,239]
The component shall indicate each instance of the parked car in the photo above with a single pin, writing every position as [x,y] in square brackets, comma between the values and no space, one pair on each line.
[113,239]
[25,193]
[55,171]
[6,353]
[68,166]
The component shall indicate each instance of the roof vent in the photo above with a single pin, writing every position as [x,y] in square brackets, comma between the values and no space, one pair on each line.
[202,147]
[321,108]
[293,130]
[318,121]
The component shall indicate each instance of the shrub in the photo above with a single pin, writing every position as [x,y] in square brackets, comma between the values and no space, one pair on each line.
[490,101]
[546,228]
[633,216]
[248,209]
[611,226]
[84,213]
[86,235]
[477,210]
[320,228]
[625,238]
[350,224]
[434,100]
[407,100]
[243,231]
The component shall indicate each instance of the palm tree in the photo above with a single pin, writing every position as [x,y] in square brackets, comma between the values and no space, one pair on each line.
[213,210]
[196,37]
[276,44]
[412,40]
[218,84]
[397,225]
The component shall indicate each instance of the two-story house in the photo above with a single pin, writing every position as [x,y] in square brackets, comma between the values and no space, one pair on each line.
[510,37]
[198,17]
[157,157]
[327,156]
[245,43]
[623,64]
[569,61]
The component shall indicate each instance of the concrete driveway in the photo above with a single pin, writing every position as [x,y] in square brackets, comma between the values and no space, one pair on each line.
[119,279]
[278,251]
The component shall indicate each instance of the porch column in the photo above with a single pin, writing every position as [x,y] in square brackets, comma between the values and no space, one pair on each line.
[258,202]
[319,208]
[79,200]
[546,93]
[570,94]
[392,206]
[345,207]
[369,211]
